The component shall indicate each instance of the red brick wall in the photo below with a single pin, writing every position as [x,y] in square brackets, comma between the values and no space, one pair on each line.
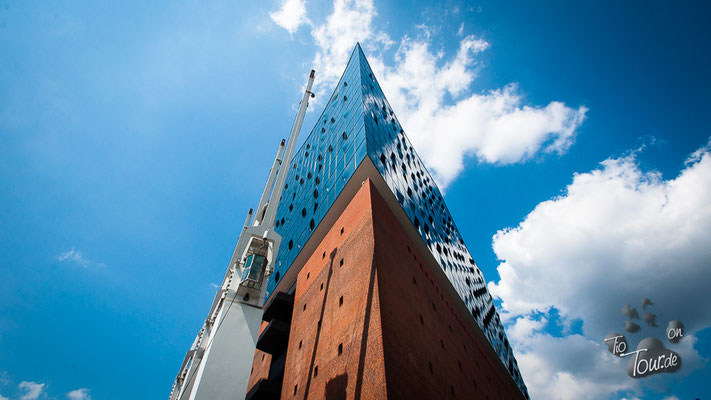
[260,364]
[421,327]
[338,287]
[368,286]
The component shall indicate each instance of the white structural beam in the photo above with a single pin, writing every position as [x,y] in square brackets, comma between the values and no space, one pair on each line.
[219,363]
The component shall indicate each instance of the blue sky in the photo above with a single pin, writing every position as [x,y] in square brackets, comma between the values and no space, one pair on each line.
[134,136]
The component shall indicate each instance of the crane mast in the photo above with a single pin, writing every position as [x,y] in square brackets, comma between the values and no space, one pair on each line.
[219,362]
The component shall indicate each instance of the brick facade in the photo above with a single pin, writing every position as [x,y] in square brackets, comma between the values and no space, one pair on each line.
[372,320]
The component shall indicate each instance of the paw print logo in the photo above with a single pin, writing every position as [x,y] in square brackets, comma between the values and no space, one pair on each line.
[650,357]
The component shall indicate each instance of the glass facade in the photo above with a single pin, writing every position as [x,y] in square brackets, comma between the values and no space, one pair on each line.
[358,122]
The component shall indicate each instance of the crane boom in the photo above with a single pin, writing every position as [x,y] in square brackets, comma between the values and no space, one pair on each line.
[218,364]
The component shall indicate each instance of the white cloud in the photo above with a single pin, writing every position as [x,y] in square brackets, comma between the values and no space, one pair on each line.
[291,15]
[671,398]
[4,380]
[570,367]
[77,256]
[618,234]
[494,127]
[79,394]
[350,22]
[431,97]
[30,390]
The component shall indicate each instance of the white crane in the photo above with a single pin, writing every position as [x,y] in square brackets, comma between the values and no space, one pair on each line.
[219,362]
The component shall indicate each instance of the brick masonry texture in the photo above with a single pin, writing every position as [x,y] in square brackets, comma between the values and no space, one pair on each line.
[371,321]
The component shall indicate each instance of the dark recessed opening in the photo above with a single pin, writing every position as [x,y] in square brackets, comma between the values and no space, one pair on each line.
[431,369]
[304,306]
[296,387]
[312,224]
[340,301]
[340,349]
[323,255]
[341,264]
[315,371]
[291,244]
[414,281]
[321,286]
[422,320]
[308,274]
[300,341]
[341,231]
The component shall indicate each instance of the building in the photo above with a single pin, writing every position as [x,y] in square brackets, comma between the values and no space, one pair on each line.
[374,293]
